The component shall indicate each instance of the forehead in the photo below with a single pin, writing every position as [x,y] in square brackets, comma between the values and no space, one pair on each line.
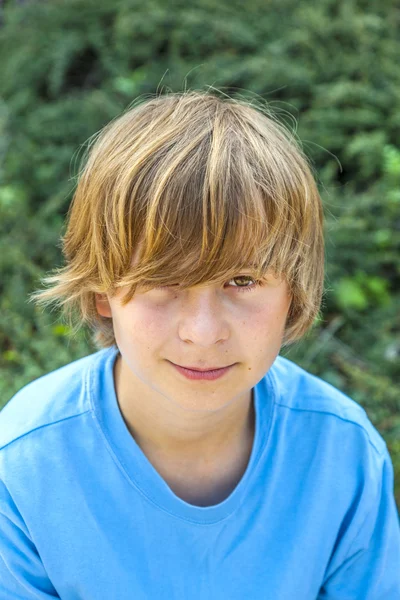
[187,271]
[251,265]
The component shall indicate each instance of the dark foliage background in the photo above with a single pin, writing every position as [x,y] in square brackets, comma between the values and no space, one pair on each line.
[69,67]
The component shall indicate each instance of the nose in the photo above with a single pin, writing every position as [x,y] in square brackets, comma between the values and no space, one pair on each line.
[203,318]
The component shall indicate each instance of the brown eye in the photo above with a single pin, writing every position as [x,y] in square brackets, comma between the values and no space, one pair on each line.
[246,288]
[239,288]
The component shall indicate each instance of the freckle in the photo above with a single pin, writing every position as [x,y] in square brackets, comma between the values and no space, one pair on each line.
[249,368]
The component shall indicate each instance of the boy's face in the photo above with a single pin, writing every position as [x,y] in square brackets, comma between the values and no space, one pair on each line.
[206,326]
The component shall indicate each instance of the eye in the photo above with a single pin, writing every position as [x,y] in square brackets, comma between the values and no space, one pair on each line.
[238,288]
[247,288]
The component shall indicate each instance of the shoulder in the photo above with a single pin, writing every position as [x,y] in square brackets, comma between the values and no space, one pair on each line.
[301,392]
[51,398]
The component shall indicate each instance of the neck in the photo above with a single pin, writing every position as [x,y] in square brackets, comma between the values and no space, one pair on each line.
[192,439]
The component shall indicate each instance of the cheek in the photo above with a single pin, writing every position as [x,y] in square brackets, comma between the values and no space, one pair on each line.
[267,319]
[143,324]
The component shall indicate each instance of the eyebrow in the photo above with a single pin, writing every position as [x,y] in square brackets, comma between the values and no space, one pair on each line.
[252,266]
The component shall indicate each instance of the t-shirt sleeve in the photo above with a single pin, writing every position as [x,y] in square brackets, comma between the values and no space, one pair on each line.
[22,574]
[369,568]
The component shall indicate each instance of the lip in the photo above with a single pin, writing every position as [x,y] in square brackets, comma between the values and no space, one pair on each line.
[190,368]
[209,375]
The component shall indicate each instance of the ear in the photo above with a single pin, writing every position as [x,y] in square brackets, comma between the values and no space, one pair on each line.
[102,305]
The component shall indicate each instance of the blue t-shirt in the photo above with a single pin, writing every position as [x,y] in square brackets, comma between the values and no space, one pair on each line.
[85,516]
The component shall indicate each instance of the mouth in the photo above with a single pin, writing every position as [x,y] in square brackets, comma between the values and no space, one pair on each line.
[202,374]
[201,370]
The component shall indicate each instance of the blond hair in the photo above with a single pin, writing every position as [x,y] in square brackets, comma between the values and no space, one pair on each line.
[206,185]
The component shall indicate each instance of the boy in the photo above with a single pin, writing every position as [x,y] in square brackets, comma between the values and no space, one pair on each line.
[186,459]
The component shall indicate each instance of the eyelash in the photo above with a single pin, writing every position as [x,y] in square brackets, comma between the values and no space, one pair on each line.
[258,283]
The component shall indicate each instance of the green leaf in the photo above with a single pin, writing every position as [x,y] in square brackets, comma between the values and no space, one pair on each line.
[349,294]
[61,330]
